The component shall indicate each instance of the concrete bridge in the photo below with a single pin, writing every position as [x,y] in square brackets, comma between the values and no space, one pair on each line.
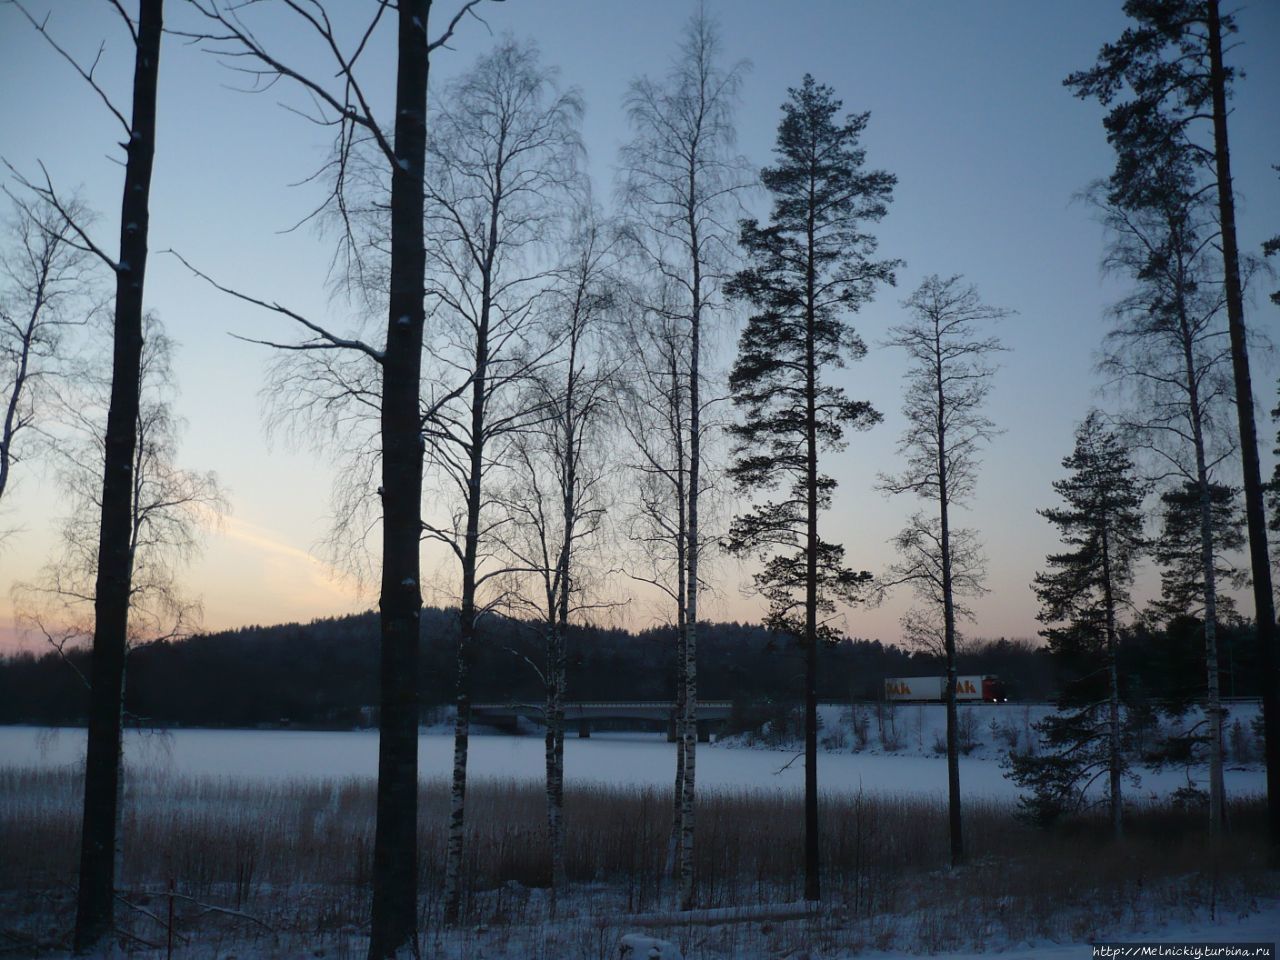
[711,714]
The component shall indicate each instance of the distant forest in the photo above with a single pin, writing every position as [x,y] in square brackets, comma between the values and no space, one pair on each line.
[324,672]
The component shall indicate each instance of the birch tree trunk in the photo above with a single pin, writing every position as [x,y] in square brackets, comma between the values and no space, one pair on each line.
[948,616]
[554,743]
[688,792]
[1113,687]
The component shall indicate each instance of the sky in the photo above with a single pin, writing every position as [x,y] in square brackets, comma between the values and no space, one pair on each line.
[967,110]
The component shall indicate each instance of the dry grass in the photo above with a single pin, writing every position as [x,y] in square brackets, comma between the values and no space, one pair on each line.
[296,854]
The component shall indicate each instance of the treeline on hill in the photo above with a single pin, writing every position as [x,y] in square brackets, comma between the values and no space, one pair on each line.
[325,672]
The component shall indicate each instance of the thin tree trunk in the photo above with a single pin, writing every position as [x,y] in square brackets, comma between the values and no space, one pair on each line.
[948,617]
[555,769]
[458,787]
[1113,692]
[812,880]
[461,733]
[470,562]
[1217,807]
[11,425]
[676,854]
[1255,513]
[393,926]
[688,794]
[560,629]
[1213,705]
[95,899]
[672,867]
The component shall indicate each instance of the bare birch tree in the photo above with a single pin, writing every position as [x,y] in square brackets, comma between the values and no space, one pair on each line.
[388,375]
[681,179]
[95,898]
[1170,348]
[45,292]
[947,387]
[558,497]
[170,507]
[503,168]
[652,404]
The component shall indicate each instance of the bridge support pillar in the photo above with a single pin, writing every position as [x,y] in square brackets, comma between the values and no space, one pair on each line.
[704,731]
[584,729]
[671,729]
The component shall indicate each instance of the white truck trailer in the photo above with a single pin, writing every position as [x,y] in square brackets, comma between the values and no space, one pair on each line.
[983,689]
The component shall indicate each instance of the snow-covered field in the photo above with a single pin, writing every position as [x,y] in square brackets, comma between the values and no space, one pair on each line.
[849,762]
[991,907]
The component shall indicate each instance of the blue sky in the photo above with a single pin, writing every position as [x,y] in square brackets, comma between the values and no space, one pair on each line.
[967,109]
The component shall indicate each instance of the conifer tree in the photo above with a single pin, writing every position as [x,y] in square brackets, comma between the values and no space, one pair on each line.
[1080,596]
[810,266]
[1179,551]
[1166,84]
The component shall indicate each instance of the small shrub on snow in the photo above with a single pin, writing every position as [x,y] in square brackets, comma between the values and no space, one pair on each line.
[967,731]
[637,947]
[1008,733]
[1240,742]
[890,738]
[861,723]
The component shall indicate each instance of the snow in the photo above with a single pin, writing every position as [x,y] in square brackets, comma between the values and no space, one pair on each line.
[593,921]
[618,759]
[636,947]
[1260,927]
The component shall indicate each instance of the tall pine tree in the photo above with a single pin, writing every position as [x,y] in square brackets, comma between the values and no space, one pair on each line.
[810,266]
[1166,84]
[1080,597]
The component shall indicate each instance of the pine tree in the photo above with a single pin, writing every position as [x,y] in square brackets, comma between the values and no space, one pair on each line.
[1166,84]
[810,266]
[1080,596]
[1178,550]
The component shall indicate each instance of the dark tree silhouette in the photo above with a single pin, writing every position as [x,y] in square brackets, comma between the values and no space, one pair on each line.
[44,282]
[1169,349]
[95,899]
[557,499]
[170,507]
[681,181]
[502,175]
[1165,80]
[343,104]
[947,386]
[1080,598]
[1179,550]
[811,265]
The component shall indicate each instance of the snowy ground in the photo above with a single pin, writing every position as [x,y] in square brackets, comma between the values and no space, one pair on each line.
[775,933]
[850,761]
[863,749]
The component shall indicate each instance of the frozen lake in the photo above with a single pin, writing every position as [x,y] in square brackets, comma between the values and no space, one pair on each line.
[617,759]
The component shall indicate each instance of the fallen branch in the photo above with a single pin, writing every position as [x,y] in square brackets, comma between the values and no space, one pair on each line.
[769,911]
[212,908]
[151,916]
